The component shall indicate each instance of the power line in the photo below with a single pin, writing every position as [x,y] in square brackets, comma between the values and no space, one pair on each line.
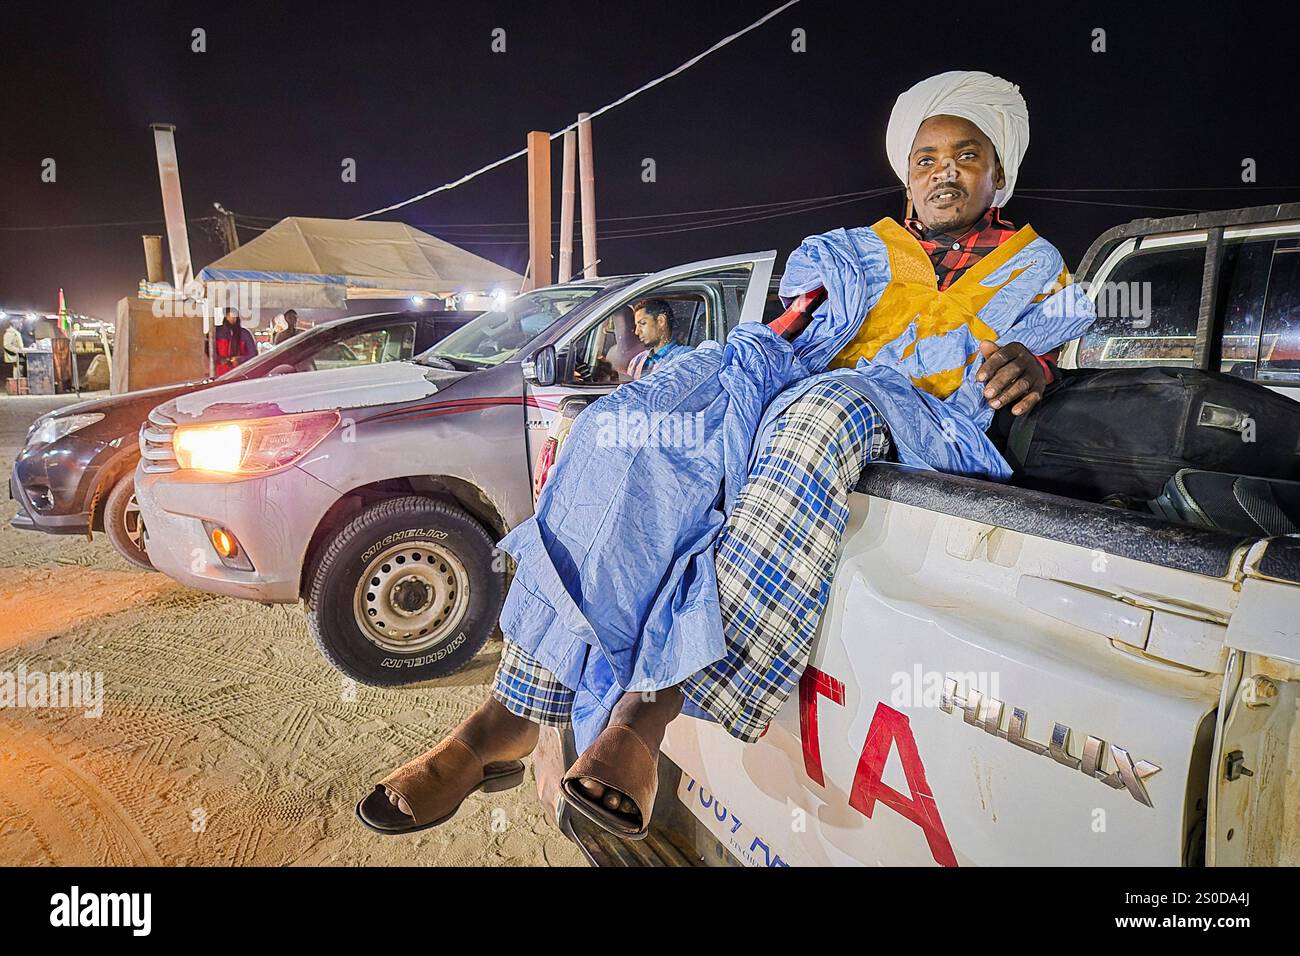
[96,225]
[270,219]
[1121,205]
[604,109]
[667,215]
[675,229]
[692,225]
[252,222]
[248,222]
[664,229]
[790,206]
[804,205]
[1144,189]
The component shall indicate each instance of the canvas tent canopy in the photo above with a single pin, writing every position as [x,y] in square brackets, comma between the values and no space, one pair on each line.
[320,263]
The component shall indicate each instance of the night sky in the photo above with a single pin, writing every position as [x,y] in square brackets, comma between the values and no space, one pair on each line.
[416,96]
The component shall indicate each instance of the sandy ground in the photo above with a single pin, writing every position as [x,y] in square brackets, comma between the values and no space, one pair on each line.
[225,738]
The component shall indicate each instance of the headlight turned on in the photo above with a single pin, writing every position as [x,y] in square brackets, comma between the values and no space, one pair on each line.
[52,429]
[251,446]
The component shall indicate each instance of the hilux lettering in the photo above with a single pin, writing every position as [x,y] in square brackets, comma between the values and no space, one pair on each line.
[1127,775]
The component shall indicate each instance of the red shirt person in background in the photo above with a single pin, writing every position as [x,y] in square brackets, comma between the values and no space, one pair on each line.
[234,343]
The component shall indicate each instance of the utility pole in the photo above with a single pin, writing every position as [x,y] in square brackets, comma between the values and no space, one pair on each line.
[566,208]
[588,169]
[539,209]
[226,228]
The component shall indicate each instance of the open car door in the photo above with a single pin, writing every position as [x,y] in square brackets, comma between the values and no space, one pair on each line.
[588,361]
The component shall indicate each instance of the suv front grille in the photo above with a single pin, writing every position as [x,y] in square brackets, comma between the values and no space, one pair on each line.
[156,451]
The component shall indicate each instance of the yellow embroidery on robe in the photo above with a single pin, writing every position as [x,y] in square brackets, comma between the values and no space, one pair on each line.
[913,295]
[1062,281]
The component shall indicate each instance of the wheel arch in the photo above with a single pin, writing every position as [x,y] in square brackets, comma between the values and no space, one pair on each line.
[109,475]
[448,488]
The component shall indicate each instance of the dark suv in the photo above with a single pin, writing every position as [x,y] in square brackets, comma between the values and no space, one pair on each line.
[76,472]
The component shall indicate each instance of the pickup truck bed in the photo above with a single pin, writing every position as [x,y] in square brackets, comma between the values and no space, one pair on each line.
[961,605]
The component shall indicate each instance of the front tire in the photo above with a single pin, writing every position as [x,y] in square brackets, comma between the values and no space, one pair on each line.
[405,592]
[124,524]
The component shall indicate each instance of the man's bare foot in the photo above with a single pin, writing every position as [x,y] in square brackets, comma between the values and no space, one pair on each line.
[610,798]
[493,733]
[649,715]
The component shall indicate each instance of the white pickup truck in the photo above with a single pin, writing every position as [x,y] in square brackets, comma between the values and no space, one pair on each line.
[1006,676]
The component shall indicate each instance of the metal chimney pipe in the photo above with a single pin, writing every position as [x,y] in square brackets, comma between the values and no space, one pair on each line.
[153,261]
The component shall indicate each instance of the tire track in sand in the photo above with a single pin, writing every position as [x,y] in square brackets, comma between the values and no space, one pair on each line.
[50,812]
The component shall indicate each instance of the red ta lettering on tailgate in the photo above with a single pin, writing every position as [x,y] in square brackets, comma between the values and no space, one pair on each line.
[889,728]
[812,683]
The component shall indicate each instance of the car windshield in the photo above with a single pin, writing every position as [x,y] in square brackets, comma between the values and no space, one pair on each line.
[494,337]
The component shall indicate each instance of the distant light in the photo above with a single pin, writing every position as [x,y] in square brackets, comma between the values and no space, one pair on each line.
[499,296]
[417,299]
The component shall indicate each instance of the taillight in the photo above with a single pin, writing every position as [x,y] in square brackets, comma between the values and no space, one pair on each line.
[544,462]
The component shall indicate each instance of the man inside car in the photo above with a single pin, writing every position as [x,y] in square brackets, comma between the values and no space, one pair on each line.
[657,327]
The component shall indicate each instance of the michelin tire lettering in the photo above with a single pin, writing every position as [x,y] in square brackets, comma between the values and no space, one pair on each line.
[430,533]
[426,658]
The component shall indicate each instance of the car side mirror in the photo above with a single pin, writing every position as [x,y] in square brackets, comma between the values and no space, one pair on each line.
[540,370]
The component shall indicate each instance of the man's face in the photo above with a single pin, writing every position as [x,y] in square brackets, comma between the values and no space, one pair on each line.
[953,173]
[651,329]
[231,317]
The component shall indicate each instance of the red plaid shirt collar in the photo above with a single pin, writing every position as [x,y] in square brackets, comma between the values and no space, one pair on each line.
[953,255]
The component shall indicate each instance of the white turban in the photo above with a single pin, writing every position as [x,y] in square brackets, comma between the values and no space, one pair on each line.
[990,102]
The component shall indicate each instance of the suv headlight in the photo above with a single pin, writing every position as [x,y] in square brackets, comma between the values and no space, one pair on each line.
[52,429]
[253,445]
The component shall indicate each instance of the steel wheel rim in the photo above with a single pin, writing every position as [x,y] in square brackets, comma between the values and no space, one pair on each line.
[411,597]
[133,524]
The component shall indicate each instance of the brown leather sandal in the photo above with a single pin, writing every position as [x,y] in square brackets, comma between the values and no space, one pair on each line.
[621,760]
[424,784]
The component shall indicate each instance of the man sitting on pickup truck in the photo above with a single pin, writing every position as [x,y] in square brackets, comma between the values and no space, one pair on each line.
[704,596]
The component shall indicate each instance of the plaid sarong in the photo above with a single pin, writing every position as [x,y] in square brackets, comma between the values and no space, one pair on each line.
[775,559]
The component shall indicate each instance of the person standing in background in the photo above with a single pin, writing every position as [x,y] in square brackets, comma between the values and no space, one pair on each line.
[289,329]
[234,343]
[13,352]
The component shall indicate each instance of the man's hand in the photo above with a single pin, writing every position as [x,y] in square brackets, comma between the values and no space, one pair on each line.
[1010,373]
